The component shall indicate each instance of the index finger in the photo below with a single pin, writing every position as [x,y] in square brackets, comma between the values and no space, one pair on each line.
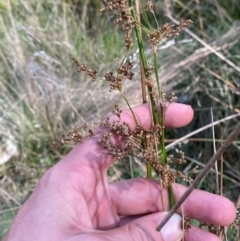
[177,115]
[142,196]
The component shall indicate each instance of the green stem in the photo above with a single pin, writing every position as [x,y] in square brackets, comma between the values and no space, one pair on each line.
[171,196]
[123,60]
[162,142]
[144,63]
[145,16]
[163,156]
[149,171]
[138,35]
[156,74]
[130,108]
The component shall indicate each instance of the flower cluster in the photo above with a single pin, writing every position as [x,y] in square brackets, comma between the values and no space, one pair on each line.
[140,143]
[210,227]
[124,72]
[124,17]
[166,31]
[186,223]
[119,140]
[236,223]
[75,135]
[83,68]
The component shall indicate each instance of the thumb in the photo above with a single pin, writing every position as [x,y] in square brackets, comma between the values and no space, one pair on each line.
[144,228]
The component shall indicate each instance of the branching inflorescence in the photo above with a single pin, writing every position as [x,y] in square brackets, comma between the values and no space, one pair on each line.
[124,18]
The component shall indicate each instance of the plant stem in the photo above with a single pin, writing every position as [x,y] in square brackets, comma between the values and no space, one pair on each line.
[130,108]
[156,120]
[156,74]
[171,196]
[144,63]
[143,79]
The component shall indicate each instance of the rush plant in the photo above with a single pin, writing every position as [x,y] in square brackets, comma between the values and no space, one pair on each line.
[142,31]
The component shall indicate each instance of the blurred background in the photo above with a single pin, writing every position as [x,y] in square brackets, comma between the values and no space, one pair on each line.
[42,95]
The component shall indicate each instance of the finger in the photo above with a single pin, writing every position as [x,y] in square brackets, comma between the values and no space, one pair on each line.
[143,228]
[177,115]
[198,234]
[145,197]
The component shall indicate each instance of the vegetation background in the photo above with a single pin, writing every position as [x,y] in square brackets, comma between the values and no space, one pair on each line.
[42,95]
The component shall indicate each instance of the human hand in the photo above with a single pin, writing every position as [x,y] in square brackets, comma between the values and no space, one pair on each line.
[74,201]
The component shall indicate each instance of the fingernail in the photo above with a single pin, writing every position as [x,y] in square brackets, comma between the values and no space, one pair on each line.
[172,231]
